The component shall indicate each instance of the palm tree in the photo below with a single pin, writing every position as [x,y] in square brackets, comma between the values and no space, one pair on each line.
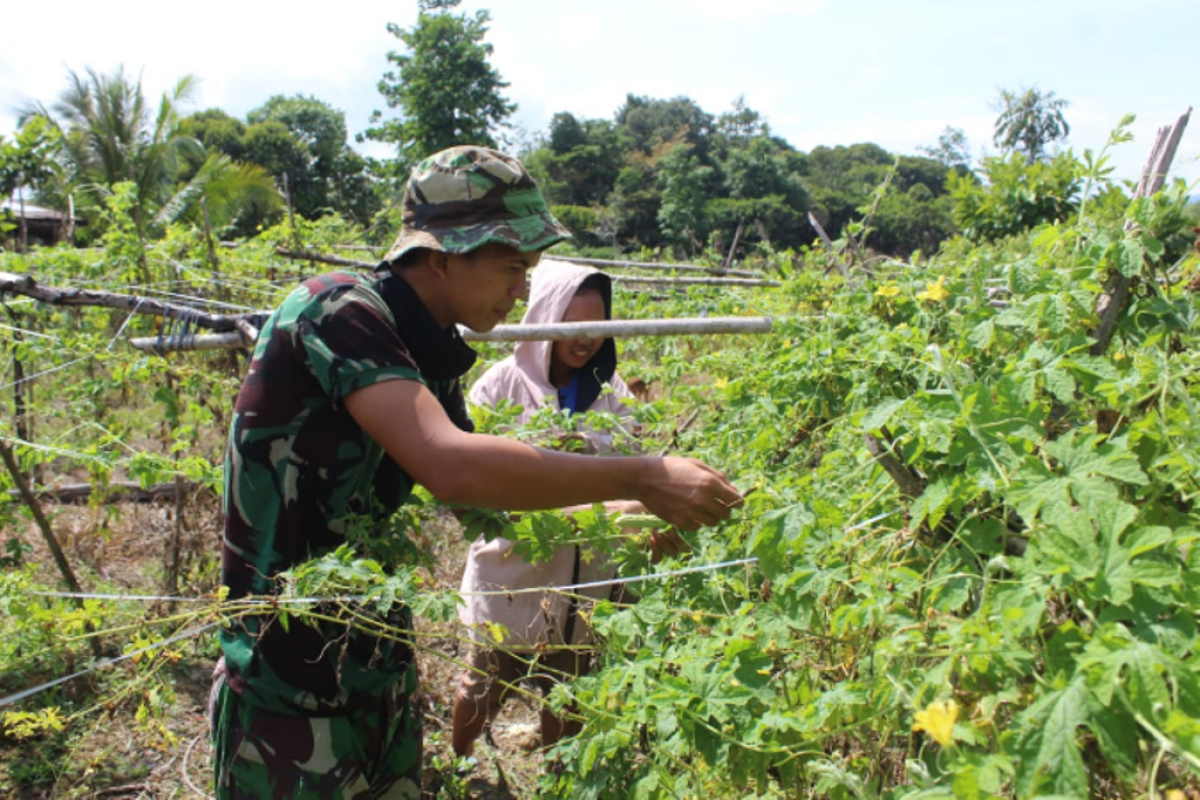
[110,136]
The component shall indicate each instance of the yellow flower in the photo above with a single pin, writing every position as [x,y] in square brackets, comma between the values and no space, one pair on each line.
[891,290]
[721,383]
[938,721]
[934,292]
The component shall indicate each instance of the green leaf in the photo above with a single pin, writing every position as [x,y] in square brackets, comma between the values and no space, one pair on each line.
[982,335]
[1033,487]
[1143,540]
[1061,384]
[932,503]
[1071,537]
[1131,257]
[1153,246]
[881,414]
[1048,756]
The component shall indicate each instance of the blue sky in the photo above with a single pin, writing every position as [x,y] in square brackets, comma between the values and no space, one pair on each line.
[822,72]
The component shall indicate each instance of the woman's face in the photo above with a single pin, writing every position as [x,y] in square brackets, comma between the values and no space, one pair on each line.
[587,306]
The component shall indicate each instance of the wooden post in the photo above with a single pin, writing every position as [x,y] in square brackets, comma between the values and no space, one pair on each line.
[213,262]
[1111,304]
[337,261]
[22,393]
[23,238]
[812,220]
[43,525]
[171,586]
[69,235]
[732,249]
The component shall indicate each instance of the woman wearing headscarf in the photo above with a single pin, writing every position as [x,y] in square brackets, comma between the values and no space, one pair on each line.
[541,633]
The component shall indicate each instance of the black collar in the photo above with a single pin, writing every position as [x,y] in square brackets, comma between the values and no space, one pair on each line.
[440,353]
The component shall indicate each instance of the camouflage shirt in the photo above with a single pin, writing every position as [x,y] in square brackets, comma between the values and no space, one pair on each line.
[298,468]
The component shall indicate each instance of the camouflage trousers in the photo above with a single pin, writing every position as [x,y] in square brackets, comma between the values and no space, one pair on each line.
[369,753]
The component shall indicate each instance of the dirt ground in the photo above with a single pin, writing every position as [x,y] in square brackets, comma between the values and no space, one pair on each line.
[124,548]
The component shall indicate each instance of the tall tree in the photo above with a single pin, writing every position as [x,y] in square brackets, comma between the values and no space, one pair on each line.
[446,90]
[653,123]
[324,174]
[580,161]
[952,148]
[741,124]
[1029,121]
[685,187]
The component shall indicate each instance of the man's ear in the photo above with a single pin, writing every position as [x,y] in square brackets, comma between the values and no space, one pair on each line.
[439,261]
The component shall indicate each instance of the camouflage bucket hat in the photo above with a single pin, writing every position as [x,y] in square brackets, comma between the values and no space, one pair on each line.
[467,196]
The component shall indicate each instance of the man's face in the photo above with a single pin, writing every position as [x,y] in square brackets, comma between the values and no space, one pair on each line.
[486,283]
[587,306]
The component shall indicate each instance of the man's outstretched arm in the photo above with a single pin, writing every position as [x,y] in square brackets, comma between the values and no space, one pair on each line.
[494,472]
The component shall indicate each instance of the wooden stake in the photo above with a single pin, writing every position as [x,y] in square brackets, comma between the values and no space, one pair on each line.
[337,261]
[1111,304]
[732,249]
[812,220]
[27,286]
[43,524]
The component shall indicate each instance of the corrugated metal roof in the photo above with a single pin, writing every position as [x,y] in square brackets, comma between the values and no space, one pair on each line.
[33,212]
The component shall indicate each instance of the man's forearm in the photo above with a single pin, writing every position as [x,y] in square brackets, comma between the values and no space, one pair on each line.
[492,472]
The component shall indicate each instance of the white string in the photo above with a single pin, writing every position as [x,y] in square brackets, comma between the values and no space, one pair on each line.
[49,371]
[13,698]
[139,597]
[283,601]
[871,521]
[27,332]
[571,587]
[83,358]
[126,322]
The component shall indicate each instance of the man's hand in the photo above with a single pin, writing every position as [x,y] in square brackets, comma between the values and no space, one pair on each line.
[687,493]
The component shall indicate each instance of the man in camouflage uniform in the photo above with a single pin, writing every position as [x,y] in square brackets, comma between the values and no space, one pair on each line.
[353,396]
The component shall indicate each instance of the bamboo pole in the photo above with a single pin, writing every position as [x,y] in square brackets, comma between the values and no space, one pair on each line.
[622,327]
[750,278]
[602,262]
[521,333]
[694,281]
